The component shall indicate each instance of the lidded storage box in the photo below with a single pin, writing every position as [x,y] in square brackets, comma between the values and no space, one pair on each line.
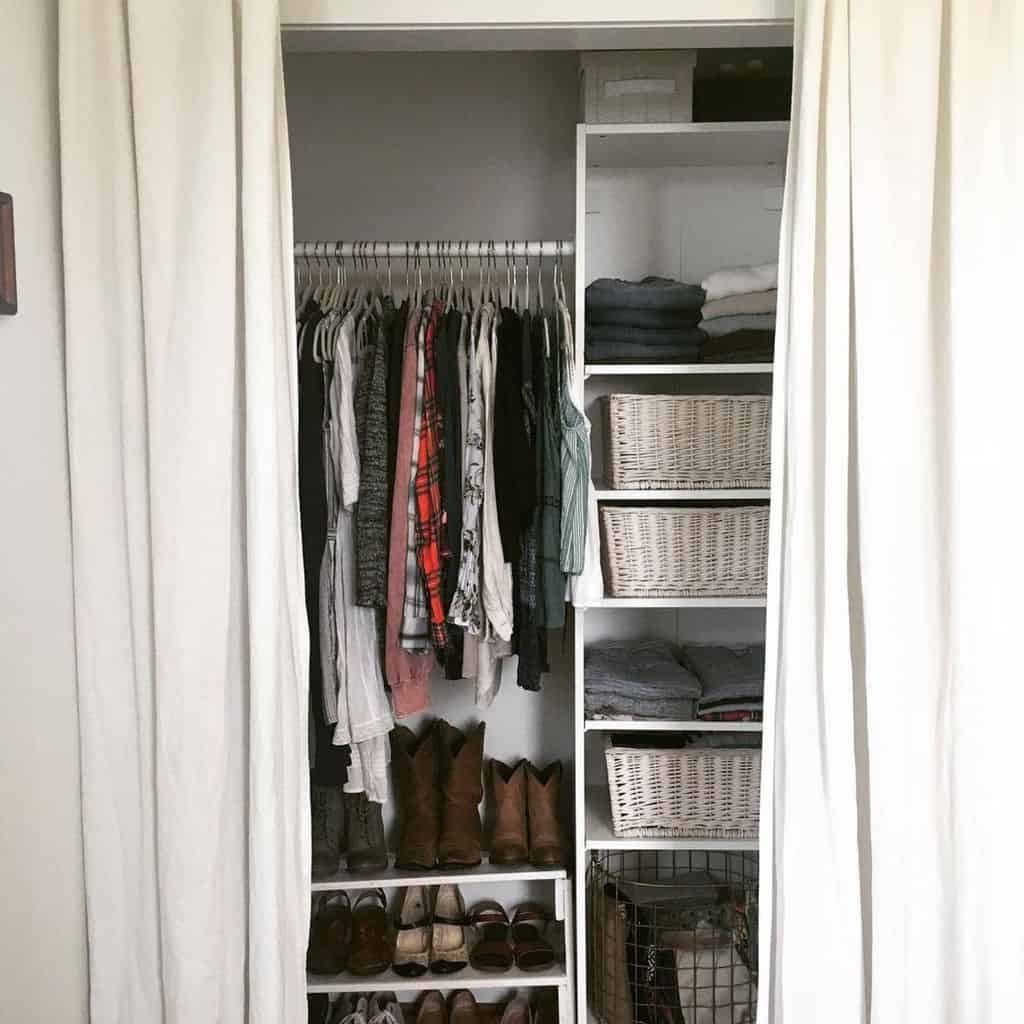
[637,86]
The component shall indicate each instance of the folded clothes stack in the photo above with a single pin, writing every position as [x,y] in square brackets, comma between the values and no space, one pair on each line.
[732,681]
[738,315]
[638,679]
[649,321]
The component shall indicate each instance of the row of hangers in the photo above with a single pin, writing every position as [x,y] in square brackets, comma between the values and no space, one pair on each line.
[333,291]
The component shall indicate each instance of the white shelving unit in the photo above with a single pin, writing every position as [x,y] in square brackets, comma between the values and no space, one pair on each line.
[392,877]
[673,369]
[469,977]
[739,494]
[559,975]
[620,156]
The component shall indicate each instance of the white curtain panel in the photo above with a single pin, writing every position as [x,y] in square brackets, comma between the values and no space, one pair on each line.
[191,633]
[892,819]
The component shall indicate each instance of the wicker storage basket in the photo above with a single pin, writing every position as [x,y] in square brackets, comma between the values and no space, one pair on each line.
[685,552]
[688,441]
[696,793]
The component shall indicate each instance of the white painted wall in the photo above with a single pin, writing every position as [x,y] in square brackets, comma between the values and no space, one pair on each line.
[42,941]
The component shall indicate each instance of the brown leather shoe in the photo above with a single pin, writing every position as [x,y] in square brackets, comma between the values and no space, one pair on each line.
[547,847]
[463,1008]
[330,934]
[517,1012]
[432,1009]
[509,845]
[415,771]
[372,947]
[462,790]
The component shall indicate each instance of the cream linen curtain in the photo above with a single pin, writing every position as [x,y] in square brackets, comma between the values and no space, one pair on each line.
[891,820]
[192,649]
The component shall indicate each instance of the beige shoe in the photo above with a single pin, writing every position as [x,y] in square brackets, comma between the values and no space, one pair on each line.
[449,943]
[412,945]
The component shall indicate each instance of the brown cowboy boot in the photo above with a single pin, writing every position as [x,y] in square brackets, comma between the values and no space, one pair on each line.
[415,771]
[509,845]
[547,846]
[462,790]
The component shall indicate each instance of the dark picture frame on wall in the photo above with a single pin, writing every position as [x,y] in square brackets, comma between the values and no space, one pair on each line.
[8,279]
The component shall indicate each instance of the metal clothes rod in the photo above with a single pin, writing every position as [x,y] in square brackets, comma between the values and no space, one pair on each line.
[443,249]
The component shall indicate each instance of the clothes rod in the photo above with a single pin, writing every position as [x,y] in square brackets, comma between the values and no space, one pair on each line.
[445,250]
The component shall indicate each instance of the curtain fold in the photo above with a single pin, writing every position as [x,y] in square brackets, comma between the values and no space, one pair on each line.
[182,406]
[893,689]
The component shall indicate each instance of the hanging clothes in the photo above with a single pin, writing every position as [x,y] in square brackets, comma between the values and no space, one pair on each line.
[467,607]
[329,763]
[429,511]
[496,583]
[364,714]
[408,671]
[575,456]
[374,444]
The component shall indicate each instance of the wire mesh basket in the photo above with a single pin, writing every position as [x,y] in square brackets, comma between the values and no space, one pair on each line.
[673,937]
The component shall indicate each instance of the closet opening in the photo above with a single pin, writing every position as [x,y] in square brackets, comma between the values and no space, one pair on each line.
[436,195]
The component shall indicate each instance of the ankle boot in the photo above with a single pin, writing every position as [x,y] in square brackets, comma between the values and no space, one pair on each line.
[415,772]
[367,850]
[547,847]
[328,823]
[461,792]
[509,845]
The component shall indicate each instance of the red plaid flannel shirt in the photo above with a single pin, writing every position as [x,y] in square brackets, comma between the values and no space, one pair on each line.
[429,510]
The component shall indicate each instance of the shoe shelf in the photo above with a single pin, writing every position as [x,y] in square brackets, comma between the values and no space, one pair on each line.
[395,878]
[469,977]
[677,602]
[600,835]
[672,369]
[708,494]
[650,725]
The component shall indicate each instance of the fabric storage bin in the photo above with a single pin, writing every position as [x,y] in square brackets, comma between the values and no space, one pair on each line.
[685,552]
[694,793]
[687,441]
[637,86]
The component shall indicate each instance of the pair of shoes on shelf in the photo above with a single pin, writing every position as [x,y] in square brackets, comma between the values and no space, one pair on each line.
[377,1008]
[461,1008]
[527,826]
[439,778]
[432,934]
[348,937]
[348,819]
[502,943]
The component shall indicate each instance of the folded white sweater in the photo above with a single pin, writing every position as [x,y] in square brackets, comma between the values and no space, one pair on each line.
[739,280]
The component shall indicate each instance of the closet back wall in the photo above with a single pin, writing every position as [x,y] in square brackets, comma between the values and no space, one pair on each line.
[432,145]
[444,146]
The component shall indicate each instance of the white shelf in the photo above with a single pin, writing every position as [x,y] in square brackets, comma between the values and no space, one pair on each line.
[601,837]
[647,725]
[394,878]
[690,494]
[710,144]
[678,602]
[469,978]
[671,369]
